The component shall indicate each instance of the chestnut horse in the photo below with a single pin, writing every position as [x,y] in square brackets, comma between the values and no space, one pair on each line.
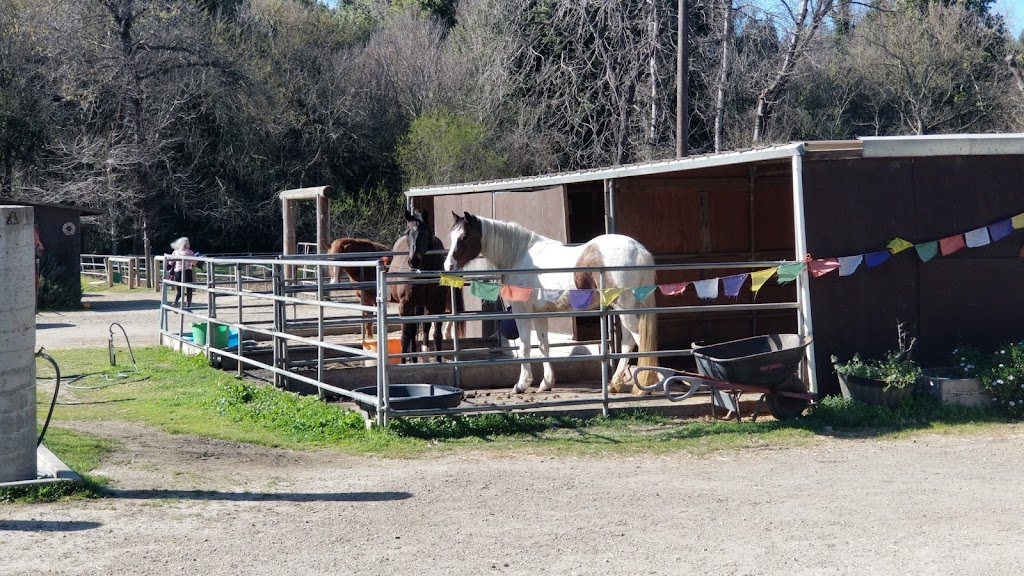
[509,246]
[367,296]
[414,299]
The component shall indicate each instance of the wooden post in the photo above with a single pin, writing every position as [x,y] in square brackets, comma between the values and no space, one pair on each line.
[288,198]
[110,272]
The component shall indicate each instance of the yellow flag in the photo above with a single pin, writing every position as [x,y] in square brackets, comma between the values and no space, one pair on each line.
[897,245]
[1018,221]
[757,279]
[452,281]
[608,295]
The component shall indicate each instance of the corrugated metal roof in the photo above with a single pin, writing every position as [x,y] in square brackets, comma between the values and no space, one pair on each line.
[943,145]
[625,171]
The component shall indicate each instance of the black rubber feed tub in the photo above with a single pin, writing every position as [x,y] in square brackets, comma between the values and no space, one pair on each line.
[414,397]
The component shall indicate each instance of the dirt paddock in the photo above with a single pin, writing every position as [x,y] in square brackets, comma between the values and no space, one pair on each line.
[927,504]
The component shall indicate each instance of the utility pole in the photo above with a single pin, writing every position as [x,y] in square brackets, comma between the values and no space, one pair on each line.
[682,81]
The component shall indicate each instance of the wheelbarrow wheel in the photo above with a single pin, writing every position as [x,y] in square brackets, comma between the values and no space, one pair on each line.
[786,407]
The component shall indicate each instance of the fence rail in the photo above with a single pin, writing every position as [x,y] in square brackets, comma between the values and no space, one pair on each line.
[255,298]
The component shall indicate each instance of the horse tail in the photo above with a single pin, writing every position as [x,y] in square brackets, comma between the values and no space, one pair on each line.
[459,305]
[648,343]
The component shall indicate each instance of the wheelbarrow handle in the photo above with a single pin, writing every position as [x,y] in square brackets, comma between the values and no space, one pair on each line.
[667,377]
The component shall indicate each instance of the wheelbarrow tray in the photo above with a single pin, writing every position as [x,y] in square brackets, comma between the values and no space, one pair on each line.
[766,361]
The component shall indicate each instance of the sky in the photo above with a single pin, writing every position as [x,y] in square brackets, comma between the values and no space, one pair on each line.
[1013,10]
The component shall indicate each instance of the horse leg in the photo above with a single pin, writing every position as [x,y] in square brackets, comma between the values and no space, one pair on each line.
[367,298]
[438,338]
[525,370]
[541,326]
[408,331]
[630,335]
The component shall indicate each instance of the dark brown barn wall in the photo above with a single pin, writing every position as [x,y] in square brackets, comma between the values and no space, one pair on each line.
[856,206]
[717,215]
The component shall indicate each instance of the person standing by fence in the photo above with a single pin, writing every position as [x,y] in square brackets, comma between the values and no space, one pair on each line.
[182,269]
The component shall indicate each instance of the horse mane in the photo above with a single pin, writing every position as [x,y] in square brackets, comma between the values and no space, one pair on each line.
[506,242]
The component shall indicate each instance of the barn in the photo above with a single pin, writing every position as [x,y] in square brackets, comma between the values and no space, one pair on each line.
[60,232]
[932,223]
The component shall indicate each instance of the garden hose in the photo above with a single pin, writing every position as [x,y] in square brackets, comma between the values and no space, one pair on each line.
[53,402]
[110,346]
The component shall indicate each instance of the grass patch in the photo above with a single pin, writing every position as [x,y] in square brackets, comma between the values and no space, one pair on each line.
[83,453]
[180,394]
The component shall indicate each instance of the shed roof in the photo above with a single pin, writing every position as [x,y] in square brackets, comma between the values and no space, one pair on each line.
[867,147]
[81,210]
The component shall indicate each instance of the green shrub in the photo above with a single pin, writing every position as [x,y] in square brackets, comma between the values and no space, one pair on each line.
[57,290]
[1000,371]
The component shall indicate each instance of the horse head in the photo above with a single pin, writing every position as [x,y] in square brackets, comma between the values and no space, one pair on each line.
[466,241]
[421,236]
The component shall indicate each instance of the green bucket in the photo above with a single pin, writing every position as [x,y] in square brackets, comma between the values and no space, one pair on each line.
[220,335]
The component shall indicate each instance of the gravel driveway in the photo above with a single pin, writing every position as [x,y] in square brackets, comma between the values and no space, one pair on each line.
[929,504]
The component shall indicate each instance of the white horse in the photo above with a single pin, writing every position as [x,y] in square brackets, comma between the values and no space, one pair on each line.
[507,245]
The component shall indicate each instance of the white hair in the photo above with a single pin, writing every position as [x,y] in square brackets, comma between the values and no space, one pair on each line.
[179,243]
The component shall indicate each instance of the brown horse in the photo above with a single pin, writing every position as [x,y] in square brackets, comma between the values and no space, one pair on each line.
[367,296]
[414,299]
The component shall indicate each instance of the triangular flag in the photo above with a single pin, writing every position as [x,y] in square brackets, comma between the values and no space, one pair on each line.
[1017,221]
[580,299]
[822,266]
[732,284]
[875,258]
[897,245]
[789,272]
[673,289]
[485,290]
[706,289]
[927,250]
[977,237]
[951,244]
[452,281]
[516,293]
[758,278]
[608,295]
[549,294]
[643,292]
[848,264]
[1000,230]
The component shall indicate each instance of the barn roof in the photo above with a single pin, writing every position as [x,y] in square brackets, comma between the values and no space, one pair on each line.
[81,210]
[867,147]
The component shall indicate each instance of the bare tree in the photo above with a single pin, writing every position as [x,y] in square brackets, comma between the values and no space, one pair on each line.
[806,20]
[932,67]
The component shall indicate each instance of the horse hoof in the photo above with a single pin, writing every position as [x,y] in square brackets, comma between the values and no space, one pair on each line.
[640,391]
[544,387]
[520,388]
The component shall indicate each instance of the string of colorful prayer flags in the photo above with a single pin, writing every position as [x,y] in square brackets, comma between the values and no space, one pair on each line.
[583,299]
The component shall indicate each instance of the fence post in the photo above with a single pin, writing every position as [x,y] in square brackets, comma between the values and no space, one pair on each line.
[110,272]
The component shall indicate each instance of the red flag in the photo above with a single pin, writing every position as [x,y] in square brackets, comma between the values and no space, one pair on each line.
[951,244]
[516,293]
[822,266]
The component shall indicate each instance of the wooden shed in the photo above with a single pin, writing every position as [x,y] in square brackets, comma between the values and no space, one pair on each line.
[60,231]
[826,199]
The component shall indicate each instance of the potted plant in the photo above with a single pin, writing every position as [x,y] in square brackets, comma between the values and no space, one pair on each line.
[885,381]
[960,381]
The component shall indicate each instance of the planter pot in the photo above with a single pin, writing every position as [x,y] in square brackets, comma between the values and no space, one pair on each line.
[951,389]
[874,392]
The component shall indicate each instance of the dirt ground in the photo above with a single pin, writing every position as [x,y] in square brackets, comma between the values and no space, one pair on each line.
[930,504]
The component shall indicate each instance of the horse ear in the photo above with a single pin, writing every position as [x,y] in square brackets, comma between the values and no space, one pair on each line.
[409,216]
[426,215]
[455,217]
[468,215]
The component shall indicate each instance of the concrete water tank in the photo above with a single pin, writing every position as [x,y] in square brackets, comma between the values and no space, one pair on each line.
[17,340]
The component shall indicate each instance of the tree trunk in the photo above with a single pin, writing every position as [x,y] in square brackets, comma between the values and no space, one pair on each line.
[7,186]
[723,76]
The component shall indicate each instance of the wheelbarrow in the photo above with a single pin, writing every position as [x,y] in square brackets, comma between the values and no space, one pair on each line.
[764,365]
